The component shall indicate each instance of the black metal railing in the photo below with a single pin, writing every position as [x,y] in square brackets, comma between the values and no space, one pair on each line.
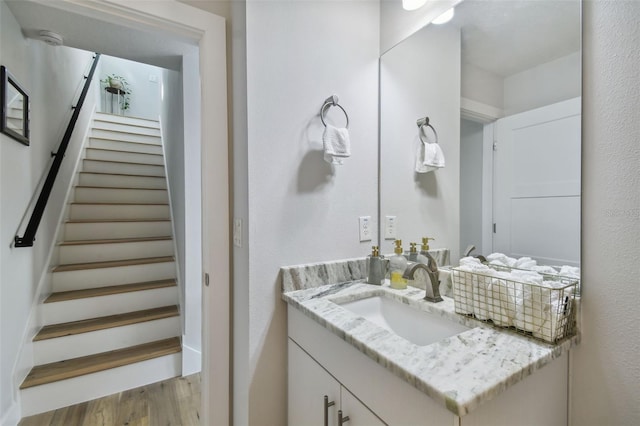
[36,216]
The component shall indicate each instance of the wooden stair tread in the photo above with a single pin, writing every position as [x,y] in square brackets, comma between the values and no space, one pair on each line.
[99,113]
[124,132]
[117,187]
[115,220]
[123,152]
[107,291]
[101,323]
[67,369]
[114,241]
[120,204]
[112,263]
[124,162]
[124,174]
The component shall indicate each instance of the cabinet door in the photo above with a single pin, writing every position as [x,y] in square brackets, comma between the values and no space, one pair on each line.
[308,384]
[359,414]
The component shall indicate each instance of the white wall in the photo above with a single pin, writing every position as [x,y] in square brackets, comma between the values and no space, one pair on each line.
[606,373]
[481,86]
[543,85]
[411,87]
[241,294]
[300,209]
[145,96]
[173,141]
[192,233]
[51,76]
[471,162]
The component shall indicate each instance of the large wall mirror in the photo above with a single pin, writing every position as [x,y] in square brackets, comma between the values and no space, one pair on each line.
[501,86]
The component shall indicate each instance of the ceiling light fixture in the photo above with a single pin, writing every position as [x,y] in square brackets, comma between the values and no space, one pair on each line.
[51,38]
[413,4]
[444,18]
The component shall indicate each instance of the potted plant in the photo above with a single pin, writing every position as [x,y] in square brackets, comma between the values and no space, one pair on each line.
[120,83]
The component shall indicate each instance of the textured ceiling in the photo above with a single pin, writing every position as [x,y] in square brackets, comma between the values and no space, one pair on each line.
[500,36]
[81,32]
[509,36]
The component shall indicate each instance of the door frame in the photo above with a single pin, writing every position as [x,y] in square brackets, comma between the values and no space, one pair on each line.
[208,32]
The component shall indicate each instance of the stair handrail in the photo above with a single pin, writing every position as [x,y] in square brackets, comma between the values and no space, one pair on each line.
[36,216]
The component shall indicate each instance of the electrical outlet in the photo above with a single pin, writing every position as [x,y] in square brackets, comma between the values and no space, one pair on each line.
[390,227]
[365,228]
[153,78]
[237,232]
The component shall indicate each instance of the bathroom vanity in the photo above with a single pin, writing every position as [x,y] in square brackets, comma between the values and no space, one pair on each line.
[477,375]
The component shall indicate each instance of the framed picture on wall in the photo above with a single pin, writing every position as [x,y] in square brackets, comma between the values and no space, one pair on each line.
[15,108]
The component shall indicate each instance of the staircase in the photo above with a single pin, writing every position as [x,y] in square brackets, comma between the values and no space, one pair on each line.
[112,322]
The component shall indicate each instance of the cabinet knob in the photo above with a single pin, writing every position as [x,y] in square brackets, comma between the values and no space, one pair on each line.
[341,419]
[327,404]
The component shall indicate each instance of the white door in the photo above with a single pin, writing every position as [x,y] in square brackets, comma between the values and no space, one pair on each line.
[536,204]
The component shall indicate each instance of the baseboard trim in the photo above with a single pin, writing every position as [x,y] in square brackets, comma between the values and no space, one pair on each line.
[12,416]
[191,360]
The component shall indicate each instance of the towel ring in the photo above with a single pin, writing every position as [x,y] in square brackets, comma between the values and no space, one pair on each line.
[329,102]
[422,123]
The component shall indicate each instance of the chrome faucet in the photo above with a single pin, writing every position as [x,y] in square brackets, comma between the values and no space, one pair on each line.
[433,287]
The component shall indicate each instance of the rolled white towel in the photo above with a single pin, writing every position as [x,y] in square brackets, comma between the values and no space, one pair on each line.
[544,269]
[504,292]
[525,263]
[483,303]
[570,271]
[509,261]
[470,260]
[462,291]
[527,302]
[550,308]
[463,279]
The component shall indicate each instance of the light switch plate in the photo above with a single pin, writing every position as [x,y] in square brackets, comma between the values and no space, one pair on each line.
[365,228]
[237,232]
[390,227]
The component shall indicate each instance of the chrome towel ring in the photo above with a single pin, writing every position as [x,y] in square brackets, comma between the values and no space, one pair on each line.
[422,123]
[329,102]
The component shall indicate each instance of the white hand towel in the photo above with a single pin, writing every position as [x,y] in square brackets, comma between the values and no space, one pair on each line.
[429,157]
[504,293]
[337,145]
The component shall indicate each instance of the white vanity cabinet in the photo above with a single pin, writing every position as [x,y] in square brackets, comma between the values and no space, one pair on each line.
[321,363]
[317,398]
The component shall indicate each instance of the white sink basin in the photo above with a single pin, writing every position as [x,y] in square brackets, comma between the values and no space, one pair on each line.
[418,327]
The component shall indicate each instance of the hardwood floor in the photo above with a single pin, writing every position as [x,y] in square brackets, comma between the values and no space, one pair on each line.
[173,402]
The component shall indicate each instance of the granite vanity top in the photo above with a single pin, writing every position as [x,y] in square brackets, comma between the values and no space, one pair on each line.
[459,372]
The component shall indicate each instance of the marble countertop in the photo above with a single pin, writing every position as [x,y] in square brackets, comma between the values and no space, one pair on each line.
[459,372]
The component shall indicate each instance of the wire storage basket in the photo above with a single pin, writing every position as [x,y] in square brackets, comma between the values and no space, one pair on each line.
[545,310]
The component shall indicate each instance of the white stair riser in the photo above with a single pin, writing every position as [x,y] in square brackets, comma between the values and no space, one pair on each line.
[130,128]
[118,211]
[123,119]
[39,399]
[122,181]
[84,253]
[124,156]
[112,304]
[122,168]
[127,137]
[104,230]
[121,195]
[83,344]
[103,277]
[125,146]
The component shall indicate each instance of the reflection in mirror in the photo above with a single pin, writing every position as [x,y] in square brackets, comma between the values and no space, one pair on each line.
[14,113]
[501,84]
